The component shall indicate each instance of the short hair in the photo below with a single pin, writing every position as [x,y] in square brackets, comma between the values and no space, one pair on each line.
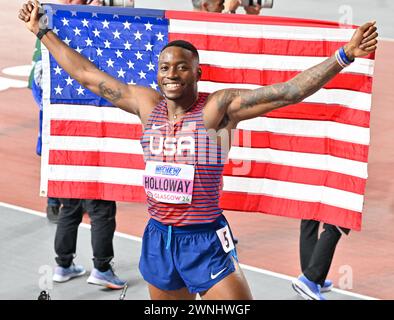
[184,45]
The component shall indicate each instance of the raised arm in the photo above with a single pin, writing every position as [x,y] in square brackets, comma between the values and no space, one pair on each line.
[127,97]
[246,104]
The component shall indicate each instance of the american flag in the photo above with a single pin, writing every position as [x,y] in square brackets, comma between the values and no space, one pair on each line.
[305,161]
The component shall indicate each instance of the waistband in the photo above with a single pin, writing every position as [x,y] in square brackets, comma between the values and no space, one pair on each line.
[193,228]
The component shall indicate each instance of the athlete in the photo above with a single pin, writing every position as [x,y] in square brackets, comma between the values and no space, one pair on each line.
[187,246]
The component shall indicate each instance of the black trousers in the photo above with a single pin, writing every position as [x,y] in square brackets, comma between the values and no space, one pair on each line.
[316,252]
[102,216]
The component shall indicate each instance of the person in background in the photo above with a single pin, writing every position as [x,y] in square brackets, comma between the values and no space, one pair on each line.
[208,5]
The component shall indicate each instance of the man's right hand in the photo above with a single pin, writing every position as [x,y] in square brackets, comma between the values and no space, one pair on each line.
[29,14]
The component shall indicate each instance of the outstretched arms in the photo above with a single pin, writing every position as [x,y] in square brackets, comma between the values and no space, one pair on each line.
[129,98]
[239,105]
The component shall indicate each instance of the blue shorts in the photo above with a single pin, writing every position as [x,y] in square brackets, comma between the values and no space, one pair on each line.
[191,256]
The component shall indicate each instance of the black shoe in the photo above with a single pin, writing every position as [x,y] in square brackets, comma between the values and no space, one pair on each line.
[235,240]
[52,213]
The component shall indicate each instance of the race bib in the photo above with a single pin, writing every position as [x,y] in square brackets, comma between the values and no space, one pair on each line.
[225,239]
[169,182]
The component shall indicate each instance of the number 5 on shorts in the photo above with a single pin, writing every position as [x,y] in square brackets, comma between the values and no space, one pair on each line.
[225,239]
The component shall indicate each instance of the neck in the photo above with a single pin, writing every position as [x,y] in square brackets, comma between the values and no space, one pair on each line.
[177,107]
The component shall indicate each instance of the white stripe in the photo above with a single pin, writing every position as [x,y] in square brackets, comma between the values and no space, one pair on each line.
[280,189]
[129,146]
[243,266]
[91,113]
[275,62]
[348,98]
[295,191]
[301,160]
[260,31]
[95,174]
[309,128]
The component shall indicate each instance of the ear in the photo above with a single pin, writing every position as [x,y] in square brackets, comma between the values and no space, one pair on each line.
[199,74]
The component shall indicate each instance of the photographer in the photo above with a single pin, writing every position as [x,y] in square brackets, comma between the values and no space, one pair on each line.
[250,7]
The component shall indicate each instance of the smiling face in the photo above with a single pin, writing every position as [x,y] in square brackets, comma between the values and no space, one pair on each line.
[178,74]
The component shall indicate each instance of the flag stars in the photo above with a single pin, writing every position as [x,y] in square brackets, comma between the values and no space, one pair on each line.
[126,25]
[121,73]
[130,64]
[69,81]
[142,74]
[58,90]
[55,31]
[78,49]
[153,85]
[99,52]
[77,31]
[119,54]
[107,44]
[94,14]
[105,24]
[127,45]
[89,42]
[160,36]
[116,34]
[65,22]
[148,26]
[73,13]
[85,23]
[57,70]
[67,41]
[137,35]
[148,46]
[81,91]
[132,82]
[110,63]
[138,55]
[151,66]
[96,33]
[115,16]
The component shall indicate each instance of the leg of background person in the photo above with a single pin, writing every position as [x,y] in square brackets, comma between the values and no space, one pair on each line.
[320,262]
[70,217]
[232,287]
[102,214]
[181,294]
[309,232]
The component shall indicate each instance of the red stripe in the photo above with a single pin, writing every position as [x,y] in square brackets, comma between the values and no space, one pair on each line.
[95,158]
[323,112]
[253,169]
[342,149]
[95,129]
[95,190]
[292,208]
[251,19]
[356,82]
[317,48]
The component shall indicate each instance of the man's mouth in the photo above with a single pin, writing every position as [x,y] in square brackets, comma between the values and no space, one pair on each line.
[172,86]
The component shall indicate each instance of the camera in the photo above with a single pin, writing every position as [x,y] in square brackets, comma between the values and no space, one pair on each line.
[119,3]
[262,3]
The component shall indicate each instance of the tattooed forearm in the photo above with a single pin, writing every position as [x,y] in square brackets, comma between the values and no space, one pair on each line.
[294,90]
[311,80]
[226,97]
[108,93]
[271,94]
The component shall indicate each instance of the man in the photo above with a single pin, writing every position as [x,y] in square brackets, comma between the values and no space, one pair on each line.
[208,5]
[187,247]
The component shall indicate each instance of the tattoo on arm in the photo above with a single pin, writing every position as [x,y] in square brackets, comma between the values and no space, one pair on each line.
[108,93]
[295,90]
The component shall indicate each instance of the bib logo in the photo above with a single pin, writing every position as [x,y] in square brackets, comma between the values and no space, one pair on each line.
[171,145]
